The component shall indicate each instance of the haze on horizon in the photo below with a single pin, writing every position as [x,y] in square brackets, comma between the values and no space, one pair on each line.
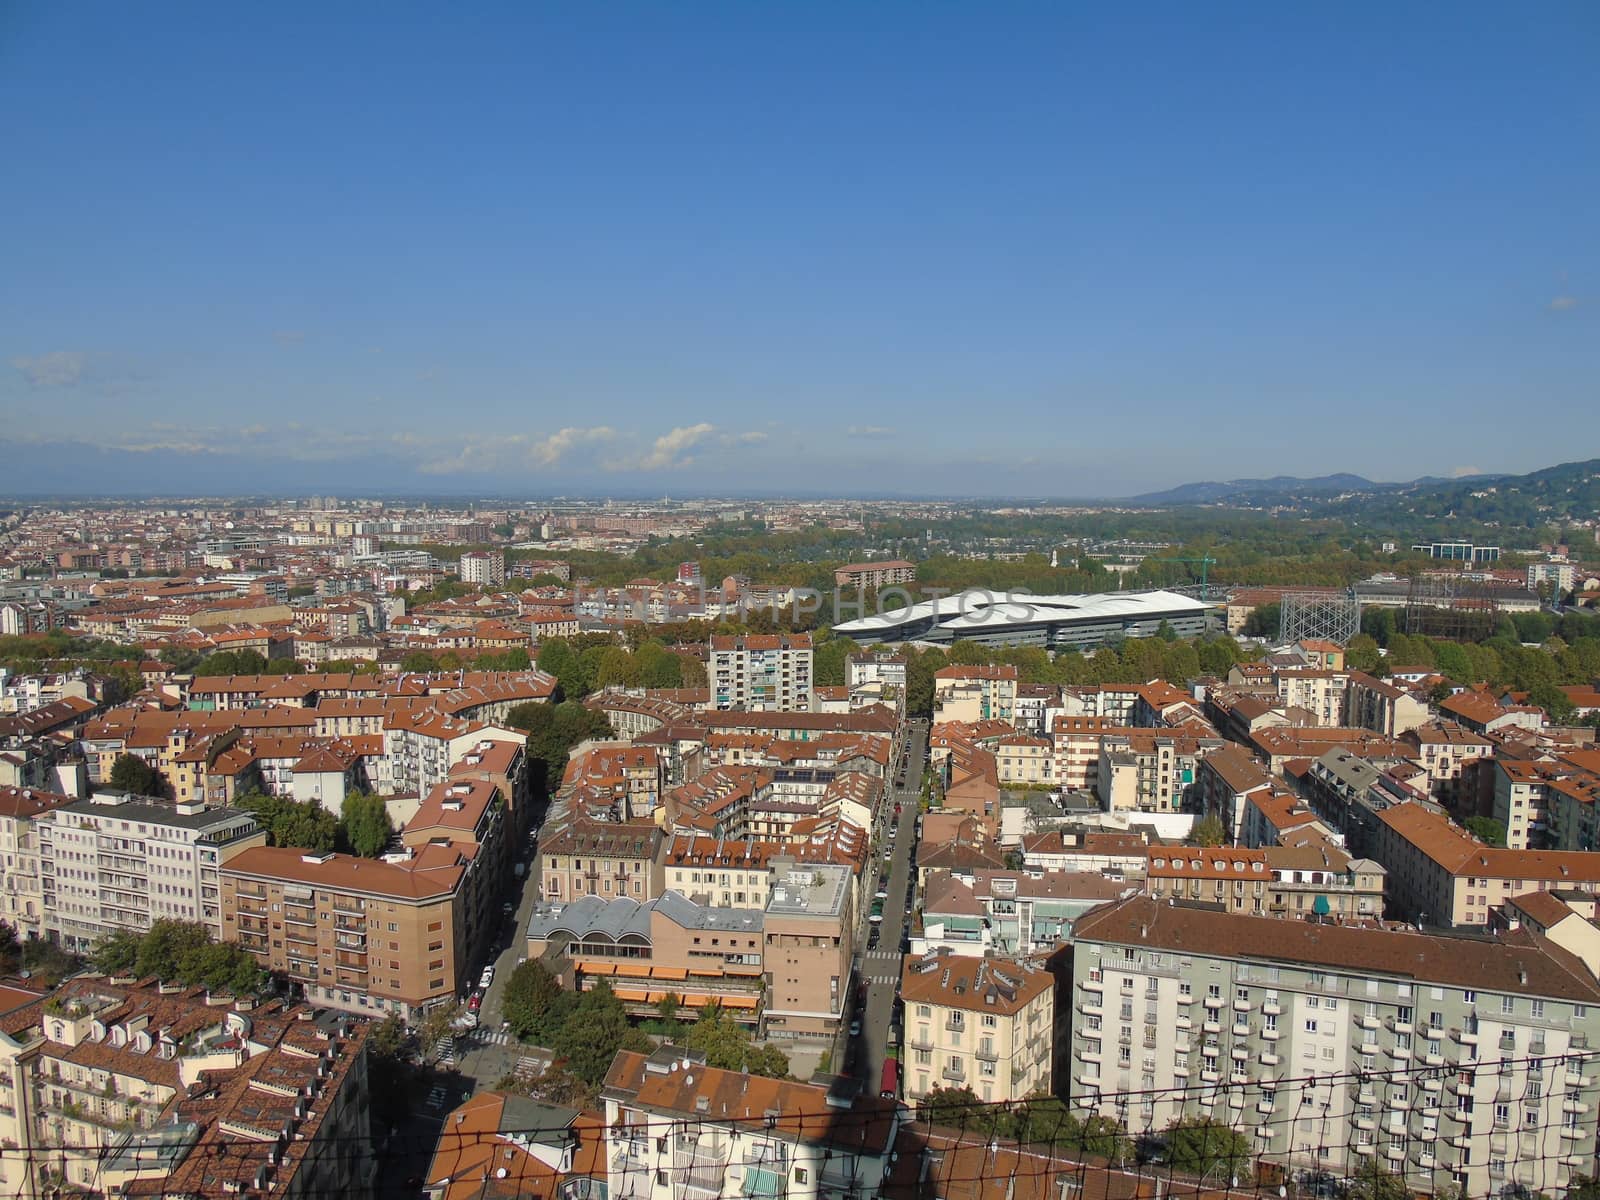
[1012,249]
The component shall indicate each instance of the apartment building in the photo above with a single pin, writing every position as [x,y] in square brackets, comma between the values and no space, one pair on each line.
[1320,693]
[974,693]
[876,666]
[892,573]
[116,862]
[357,934]
[22,887]
[761,672]
[421,746]
[1440,875]
[1444,750]
[677,1129]
[807,946]
[1441,1060]
[669,945]
[1024,761]
[1149,770]
[1545,804]
[115,1088]
[580,858]
[1380,706]
[483,568]
[983,912]
[983,1023]
[1308,882]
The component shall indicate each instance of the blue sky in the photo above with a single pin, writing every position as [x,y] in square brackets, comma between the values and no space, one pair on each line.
[1043,249]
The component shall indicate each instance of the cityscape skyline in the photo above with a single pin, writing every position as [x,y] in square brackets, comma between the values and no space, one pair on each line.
[1082,254]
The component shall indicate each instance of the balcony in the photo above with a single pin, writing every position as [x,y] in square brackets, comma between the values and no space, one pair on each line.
[1183,1022]
[1210,1027]
[955,1023]
[1394,1153]
[1090,1053]
[1367,1021]
[1094,985]
[1209,1076]
[1241,1006]
[1433,1060]
[1272,1008]
[1264,1107]
[1269,1059]
[1271,1035]
[955,1072]
[1466,1037]
[1576,1079]
[987,1054]
[1404,1027]
[1092,1007]
[1400,1053]
[1432,1032]
[1241,1031]
[1572,1133]
[1213,1003]
[1574,1106]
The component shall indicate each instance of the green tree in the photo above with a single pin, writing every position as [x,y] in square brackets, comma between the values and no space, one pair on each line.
[130,773]
[1487,830]
[719,1037]
[167,945]
[1362,653]
[1201,1145]
[366,824]
[768,1061]
[417,662]
[597,1028]
[118,954]
[533,1001]
[1208,831]
[1373,1181]
[10,949]
[557,657]
[306,826]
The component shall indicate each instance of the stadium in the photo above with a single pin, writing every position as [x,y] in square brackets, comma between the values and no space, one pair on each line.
[1055,622]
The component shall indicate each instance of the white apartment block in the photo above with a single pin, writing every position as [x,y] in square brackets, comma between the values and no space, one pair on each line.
[484,568]
[762,672]
[1450,1062]
[109,864]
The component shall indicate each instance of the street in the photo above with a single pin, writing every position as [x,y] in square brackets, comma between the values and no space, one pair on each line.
[863,1055]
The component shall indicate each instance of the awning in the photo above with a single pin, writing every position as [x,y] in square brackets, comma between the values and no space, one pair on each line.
[668,973]
[634,970]
[596,968]
[631,994]
[737,1001]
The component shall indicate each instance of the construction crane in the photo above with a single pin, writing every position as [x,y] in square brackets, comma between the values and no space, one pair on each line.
[1206,562]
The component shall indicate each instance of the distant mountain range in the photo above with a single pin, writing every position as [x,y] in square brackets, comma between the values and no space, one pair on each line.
[1538,498]
[1278,485]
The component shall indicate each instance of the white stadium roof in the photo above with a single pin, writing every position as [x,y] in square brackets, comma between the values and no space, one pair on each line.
[979,610]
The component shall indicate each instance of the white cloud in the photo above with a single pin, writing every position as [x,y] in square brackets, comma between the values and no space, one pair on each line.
[1564,303]
[869,431]
[547,452]
[59,368]
[753,437]
[1463,472]
[672,449]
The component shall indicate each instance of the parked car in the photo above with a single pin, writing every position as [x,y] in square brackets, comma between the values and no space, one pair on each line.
[855,1027]
[487,977]
[475,1003]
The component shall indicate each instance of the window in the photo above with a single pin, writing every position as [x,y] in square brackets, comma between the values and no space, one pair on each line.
[1537,1008]
[1508,1004]
[1311,1024]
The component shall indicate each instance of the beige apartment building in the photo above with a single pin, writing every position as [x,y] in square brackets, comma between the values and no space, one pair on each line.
[357,934]
[806,951]
[116,1088]
[1025,761]
[974,693]
[600,858]
[1439,875]
[981,1023]
[22,887]
[1380,706]
[1307,882]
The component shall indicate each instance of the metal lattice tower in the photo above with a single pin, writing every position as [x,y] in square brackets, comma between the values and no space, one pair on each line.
[1319,616]
[1453,607]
